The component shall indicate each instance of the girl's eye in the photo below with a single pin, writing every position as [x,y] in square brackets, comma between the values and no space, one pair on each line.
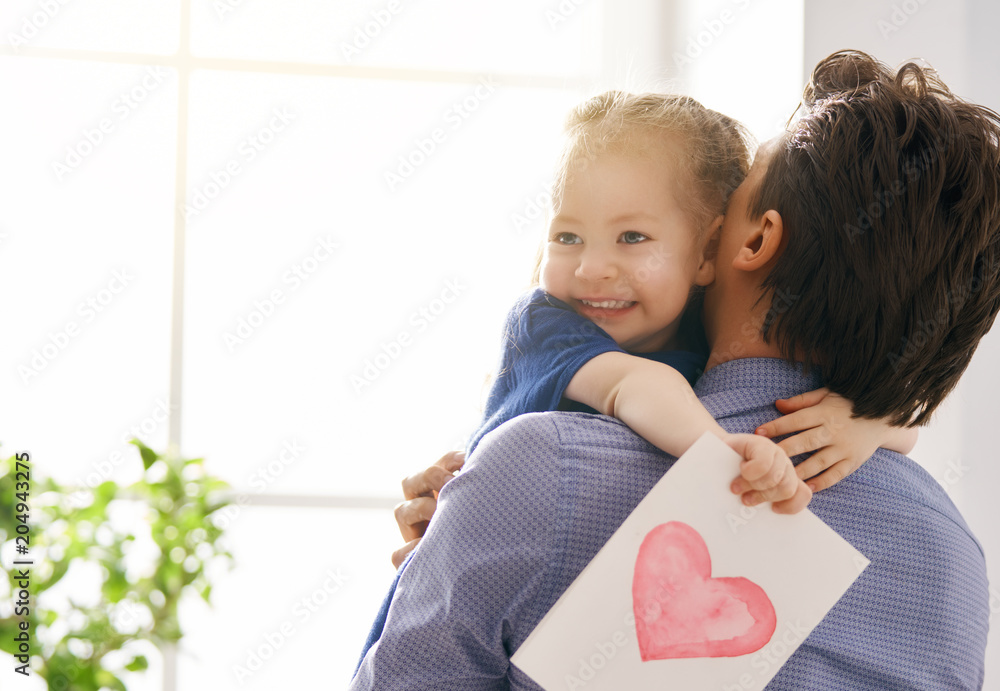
[631,237]
[567,238]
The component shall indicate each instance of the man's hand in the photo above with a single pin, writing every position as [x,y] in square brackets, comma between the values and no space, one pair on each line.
[767,474]
[420,492]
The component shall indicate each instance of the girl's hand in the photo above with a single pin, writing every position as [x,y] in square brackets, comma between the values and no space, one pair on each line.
[420,492]
[767,474]
[824,425]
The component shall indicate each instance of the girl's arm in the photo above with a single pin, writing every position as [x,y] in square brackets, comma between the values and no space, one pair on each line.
[658,404]
[842,443]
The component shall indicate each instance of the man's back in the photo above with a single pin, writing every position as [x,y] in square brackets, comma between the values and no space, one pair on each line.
[546,491]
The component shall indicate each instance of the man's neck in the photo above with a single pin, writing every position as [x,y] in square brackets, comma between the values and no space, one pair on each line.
[735,345]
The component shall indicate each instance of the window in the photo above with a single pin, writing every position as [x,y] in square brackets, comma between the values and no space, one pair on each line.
[283,235]
[361,196]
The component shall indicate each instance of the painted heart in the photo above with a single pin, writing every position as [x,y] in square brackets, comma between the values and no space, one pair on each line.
[681,611]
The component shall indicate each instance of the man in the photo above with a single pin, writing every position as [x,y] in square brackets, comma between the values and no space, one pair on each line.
[866,243]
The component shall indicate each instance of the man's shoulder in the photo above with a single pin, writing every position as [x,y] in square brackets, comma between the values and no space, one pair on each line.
[548,436]
[924,562]
[574,465]
[893,478]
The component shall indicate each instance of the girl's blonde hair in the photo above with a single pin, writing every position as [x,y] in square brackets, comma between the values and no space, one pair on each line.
[713,150]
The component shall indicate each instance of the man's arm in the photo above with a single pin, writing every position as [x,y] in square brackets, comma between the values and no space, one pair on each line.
[477,572]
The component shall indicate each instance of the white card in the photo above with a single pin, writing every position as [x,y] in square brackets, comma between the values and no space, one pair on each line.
[713,594]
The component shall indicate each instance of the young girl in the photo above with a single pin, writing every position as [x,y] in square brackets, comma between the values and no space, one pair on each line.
[613,326]
[637,203]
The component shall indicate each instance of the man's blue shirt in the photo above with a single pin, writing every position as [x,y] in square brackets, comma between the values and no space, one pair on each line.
[545,343]
[543,494]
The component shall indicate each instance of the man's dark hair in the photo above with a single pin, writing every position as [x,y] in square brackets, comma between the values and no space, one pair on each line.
[889,191]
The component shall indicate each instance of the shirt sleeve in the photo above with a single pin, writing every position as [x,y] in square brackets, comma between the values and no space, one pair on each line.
[478,573]
[545,344]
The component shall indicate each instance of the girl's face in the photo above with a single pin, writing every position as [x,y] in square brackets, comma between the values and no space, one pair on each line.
[622,253]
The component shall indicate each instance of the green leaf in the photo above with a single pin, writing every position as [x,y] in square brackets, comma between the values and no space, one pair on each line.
[105,492]
[138,664]
[116,586]
[106,679]
[173,499]
[149,456]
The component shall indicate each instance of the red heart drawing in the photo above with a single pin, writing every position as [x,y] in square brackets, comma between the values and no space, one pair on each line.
[681,611]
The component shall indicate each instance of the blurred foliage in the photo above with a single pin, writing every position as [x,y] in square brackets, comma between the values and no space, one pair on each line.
[143,566]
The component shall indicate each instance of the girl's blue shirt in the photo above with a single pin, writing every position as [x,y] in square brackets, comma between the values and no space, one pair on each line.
[545,343]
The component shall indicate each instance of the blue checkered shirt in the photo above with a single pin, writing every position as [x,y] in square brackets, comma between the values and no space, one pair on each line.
[544,492]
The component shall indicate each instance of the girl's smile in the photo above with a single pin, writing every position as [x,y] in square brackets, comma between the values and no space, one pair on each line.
[621,250]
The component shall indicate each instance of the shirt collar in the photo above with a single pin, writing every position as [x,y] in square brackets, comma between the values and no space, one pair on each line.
[733,386]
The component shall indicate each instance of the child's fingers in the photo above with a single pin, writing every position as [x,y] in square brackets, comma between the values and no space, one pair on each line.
[818,462]
[763,469]
[836,473]
[793,422]
[783,490]
[768,471]
[799,500]
[803,400]
[804,442]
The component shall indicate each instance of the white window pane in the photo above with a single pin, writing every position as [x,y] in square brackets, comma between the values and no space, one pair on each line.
[523,36]
[260,376]
[85,262]
[141,27]
[713,40]
[305,590]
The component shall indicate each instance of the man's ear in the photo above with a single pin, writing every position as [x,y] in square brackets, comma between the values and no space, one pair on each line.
[709,253]
[763,244]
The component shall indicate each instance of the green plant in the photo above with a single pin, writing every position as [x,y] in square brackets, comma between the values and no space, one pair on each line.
[150,544]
